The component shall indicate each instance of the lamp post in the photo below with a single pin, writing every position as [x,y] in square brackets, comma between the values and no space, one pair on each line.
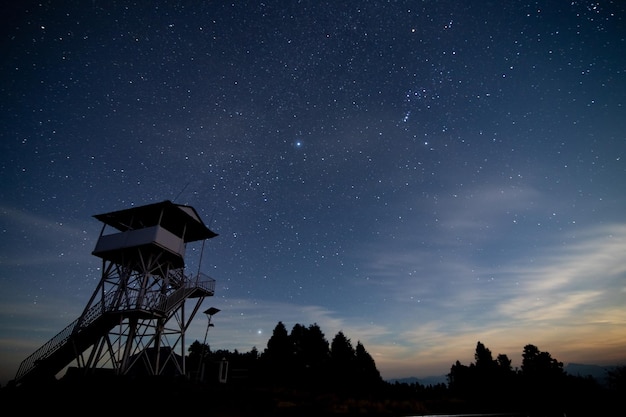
[209,313]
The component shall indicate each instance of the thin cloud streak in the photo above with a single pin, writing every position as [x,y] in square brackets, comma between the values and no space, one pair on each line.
[557,297]
[43,241]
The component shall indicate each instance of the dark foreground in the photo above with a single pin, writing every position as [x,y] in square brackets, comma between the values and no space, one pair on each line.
[156,396]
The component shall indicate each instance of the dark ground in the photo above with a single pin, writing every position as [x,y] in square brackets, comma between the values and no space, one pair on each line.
[158,396]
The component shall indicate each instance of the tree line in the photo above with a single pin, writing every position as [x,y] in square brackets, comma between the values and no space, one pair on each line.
[304,359]
[541,383]
[301,358]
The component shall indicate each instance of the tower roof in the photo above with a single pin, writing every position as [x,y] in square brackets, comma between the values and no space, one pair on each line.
[179,219]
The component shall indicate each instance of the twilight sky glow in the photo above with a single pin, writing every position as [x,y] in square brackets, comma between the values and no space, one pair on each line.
[421,175]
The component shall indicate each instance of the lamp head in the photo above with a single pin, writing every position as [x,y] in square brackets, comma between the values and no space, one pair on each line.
[211,310]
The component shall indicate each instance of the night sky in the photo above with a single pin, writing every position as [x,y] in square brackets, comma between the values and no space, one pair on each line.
[421,175]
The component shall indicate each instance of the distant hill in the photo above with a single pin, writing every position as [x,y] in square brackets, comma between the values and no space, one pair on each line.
[429,380]
[599,373]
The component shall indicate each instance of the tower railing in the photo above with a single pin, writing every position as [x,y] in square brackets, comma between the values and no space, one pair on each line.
[108,304]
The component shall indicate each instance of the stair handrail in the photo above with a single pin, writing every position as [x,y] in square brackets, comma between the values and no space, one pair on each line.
[105,305]
[174,299]
[62,337]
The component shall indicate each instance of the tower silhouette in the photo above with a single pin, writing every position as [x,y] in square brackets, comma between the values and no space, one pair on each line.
[136,319]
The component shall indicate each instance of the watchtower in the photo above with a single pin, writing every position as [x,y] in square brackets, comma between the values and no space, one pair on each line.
[135,321]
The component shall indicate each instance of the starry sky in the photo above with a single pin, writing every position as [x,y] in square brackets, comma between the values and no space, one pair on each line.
[421,175]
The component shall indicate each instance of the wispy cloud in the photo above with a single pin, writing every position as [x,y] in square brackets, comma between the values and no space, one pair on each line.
[39,240]
[565,293]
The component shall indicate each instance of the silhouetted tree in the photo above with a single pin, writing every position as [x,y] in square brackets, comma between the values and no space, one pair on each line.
[278,345]
[484,360]
[543,380]
[460,379]
[341,349]
[310,354]
[198,353]
[317,350]
[507,380]
[342,358]
[196,349]
[617,380]
[485,373]
[540,365]
[504,363]
[304,359]
[253,354]
[366,375]
[278,355]
[487,384]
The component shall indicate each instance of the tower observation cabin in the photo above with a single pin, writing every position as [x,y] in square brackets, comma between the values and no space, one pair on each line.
[136,319]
